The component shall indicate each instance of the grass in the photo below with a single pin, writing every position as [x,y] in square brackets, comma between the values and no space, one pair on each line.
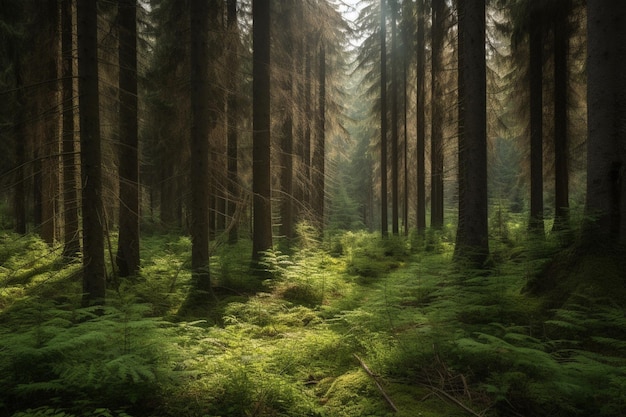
[440,340]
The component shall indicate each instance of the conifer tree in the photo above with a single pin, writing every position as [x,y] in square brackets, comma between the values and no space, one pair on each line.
[91,171]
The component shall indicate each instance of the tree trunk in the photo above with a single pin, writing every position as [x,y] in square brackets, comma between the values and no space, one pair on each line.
[395,157]
[71,244]
[606,107]
[94,284]
[232,115]
[421,120]
[436,137]
[384,228]
[261,157]
[561,141]
[200,178]
[472,242]
[535,16]
[127,258]
[319,150]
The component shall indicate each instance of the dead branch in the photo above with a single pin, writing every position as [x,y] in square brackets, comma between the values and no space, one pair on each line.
[380,388]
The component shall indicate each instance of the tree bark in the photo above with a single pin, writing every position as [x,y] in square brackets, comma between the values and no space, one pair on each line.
[319,150]
[200,115]
[71,244]
[384,227]
[232,115]
[261,157]
[535,17]
[472,243]
[436,137]
[127,258]
[94,283]
[395,157]
[421,120]
[606,107]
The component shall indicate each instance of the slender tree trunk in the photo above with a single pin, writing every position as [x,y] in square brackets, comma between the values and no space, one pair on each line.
[395,157]
[561,141]
[421,120]
[383,121]
[200,178]
[261,157]
[127,258]
[536,119]
[94,284]
[232,115]
[71,246]
[606,107]
[319,151]
[436,137]
[19,193]
[306,142]
[472,242]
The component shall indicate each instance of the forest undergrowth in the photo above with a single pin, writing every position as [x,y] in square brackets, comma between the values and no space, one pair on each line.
[352,326]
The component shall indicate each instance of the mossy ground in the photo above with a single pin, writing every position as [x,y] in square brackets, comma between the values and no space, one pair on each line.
[441,340]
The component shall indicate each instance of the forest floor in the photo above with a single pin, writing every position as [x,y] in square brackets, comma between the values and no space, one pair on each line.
[354,326]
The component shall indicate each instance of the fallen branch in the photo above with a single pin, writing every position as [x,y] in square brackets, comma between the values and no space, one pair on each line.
[441,392]
[380,387]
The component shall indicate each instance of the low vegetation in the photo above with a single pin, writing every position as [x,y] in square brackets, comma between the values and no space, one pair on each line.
[352,326]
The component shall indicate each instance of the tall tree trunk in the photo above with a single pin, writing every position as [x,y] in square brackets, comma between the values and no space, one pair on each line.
[286,143]
[232,114]
[472,242]
[127,258]
[384,227]
[48,131]
[436,137]
[395,157]
[261,157]
[306,145]
[421,120]
[94,283]
[319,151]
[606,107]
[536,118]
[561,141]
[71,244]
[21,135]
[200,177]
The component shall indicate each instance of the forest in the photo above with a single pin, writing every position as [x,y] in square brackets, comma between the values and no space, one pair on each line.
[324,208]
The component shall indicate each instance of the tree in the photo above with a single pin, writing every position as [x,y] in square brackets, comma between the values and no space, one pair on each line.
[472,240]
[200,123]
[319,152]
[232,114]
[561,140]
[127,258]
[261,157]
[94,284]
[606,107]
[394,121]
[383,121]
[71,243]
[421,119]
[535,18]
[436,137]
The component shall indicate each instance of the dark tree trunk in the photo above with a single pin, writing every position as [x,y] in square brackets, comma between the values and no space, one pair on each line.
[536,118]
[19,193]
[395,157]
[561,141]
[436,137]
[319,151]
[127,258]
[232,115]
[200,178]
[606,107]
[261,157]
[384,227]
[71,246]
[94,283]
[286,144]
[472,240]
[421,120]
[306,145]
